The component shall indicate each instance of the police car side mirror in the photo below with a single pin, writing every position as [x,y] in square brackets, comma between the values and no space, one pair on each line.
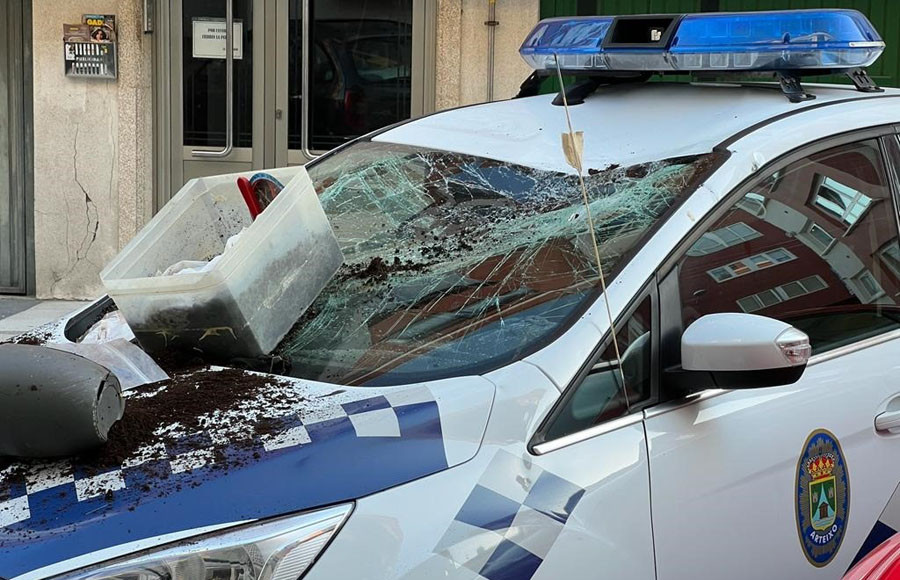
[744,351]
[54,403]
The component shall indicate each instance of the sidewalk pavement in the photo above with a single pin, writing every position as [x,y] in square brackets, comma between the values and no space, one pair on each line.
[18,315]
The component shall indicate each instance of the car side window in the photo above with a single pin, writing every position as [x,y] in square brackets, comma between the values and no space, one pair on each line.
[814,244]
[600,396]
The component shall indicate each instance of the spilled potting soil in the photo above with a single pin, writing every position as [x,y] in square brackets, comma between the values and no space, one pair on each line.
[186,400]
[198,414]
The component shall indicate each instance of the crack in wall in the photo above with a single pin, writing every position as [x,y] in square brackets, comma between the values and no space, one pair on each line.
[90,209]
[92,223]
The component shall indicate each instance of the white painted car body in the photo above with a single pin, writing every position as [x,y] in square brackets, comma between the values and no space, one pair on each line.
[721,463]
[694,487]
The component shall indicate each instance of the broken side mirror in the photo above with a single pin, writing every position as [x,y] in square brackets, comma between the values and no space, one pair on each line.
[54,403]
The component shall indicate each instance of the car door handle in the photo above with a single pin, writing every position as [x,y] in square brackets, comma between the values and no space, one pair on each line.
[888,421]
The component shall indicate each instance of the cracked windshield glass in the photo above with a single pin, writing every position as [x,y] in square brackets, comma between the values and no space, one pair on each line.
[456,264]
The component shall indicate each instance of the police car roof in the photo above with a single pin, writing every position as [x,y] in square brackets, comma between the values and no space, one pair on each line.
[622,125]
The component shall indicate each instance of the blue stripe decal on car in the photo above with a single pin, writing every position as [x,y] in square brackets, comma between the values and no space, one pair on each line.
[337,456]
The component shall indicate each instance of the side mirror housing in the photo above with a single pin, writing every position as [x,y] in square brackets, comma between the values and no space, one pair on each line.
[54,403]
[743,351]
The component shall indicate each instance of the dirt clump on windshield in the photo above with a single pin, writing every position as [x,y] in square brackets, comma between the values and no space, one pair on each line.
[592,171]
[378,269]
[637,171]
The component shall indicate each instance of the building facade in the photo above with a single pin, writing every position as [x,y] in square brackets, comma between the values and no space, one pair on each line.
[88,159]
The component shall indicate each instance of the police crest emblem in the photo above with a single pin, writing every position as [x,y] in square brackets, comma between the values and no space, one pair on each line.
[823,497]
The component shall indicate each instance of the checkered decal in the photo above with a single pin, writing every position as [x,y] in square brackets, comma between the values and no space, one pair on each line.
[519,517]
[42,490]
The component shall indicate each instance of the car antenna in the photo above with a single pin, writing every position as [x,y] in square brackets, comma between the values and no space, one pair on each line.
[573,148]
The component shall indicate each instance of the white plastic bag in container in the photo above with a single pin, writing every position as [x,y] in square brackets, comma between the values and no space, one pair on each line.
[243,304]
[198,266]
[111,327]
[132,366]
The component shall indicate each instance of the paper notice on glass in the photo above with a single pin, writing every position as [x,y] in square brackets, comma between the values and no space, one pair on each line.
[209,38]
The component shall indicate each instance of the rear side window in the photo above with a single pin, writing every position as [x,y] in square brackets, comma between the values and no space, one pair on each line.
[814,245]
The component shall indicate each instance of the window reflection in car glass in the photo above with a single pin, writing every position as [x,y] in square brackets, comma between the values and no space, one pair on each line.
[822,257]
[840,201]
[455,264]
[722,238]
[890,256]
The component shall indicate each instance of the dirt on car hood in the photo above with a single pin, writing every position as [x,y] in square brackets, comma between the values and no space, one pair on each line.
[216,446]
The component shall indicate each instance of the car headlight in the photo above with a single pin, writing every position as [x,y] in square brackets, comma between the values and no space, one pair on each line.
[275,550]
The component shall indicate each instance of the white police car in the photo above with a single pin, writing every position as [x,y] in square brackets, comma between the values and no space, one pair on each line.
[454,406]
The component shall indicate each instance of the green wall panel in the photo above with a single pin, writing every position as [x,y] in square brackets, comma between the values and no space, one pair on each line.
[884,14]
[647,6]
[551,8]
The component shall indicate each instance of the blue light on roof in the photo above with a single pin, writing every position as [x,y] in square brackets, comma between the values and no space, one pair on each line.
[740,41]
[575,40]
[826,39]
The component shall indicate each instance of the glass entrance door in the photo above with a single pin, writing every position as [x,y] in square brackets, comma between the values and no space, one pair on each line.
[210,143]
[353,74]
[307,76]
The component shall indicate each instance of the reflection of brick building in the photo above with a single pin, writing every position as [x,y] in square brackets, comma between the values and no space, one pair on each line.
[721,296]
[496,289]
[814,235]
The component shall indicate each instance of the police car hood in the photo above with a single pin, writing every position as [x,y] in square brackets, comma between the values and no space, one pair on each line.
[263,446]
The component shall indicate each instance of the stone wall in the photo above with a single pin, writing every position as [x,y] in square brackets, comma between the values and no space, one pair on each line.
[92,150]
[462,50]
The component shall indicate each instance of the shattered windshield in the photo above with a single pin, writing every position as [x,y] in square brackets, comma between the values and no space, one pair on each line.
[455,264]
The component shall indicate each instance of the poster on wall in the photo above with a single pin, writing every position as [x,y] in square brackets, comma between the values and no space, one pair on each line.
[102,26]
[209,38]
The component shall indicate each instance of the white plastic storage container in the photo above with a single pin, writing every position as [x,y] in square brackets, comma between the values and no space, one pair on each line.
[246,303]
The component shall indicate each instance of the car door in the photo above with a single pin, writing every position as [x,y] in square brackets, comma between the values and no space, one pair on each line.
[595,437]
[785,482]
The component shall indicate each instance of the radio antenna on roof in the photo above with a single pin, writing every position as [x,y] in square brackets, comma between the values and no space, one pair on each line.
[573,148]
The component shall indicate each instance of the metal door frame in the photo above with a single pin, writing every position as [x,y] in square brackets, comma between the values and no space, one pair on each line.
[424,42]
[21,157]
[252,156]
[270,136]
[169,152]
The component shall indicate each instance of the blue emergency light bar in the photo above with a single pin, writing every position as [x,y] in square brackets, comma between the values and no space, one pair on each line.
[791,40]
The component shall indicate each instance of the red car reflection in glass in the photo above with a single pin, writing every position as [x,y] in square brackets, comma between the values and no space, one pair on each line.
[882,563]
